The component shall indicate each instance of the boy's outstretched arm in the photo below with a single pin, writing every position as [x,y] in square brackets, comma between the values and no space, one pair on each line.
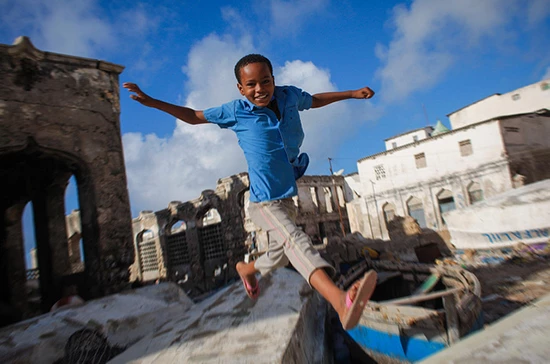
[183,113]
[326,98]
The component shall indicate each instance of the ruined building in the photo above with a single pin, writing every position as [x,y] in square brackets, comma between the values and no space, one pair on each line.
[197,243]
[59,118]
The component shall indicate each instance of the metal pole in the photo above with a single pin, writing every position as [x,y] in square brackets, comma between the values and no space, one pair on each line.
[377,212]
[337,200]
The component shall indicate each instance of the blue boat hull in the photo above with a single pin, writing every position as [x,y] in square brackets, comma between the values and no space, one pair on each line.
[404,348]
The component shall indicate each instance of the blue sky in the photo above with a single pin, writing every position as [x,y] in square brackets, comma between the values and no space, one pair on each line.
[440,54]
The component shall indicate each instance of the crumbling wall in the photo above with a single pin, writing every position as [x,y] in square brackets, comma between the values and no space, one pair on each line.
[409,243]
[59,117]
[329,216]
[202,254]
[195,259]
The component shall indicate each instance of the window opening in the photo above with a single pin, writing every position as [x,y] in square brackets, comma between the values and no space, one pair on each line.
[148,257]
[420,160]
[313,192]
[475,193]
[511,129]
[389,212]
[176,243]
[340,196]
[211,237]
[446,203]
[379,172]
[416,211]
[328,199]
[465,148]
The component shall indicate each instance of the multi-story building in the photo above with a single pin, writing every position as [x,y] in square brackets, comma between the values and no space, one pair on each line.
[494,145]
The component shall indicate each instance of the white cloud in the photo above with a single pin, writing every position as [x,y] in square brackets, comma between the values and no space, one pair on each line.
[430,36]
[65,26]
[287,16]
[180,166]
[547,74]
[192,159]
[325,128]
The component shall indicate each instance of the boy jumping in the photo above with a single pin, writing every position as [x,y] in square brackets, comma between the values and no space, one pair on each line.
[270,134]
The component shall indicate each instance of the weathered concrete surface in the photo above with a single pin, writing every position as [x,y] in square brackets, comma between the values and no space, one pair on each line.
[123,318]
[519,338]
[285,325]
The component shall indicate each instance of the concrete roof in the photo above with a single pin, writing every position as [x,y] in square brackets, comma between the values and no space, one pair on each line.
[409,132]
[518,338]
[282,326]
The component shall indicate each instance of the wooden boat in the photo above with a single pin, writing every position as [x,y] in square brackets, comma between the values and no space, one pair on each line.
[416,309]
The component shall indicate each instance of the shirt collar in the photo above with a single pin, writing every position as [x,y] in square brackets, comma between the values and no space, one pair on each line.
[278,94]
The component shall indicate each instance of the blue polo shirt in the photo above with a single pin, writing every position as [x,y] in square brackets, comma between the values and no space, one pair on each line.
[270,146]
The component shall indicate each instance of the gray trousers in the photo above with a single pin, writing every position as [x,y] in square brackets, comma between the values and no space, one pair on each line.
[287,242]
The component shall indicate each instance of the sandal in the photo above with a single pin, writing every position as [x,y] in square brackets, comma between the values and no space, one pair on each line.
[355,307]
[252,292]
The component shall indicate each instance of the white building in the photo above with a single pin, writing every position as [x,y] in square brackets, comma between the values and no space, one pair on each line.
[440,170]
[521,101]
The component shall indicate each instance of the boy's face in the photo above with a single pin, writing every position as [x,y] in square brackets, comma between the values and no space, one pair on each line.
[257,84]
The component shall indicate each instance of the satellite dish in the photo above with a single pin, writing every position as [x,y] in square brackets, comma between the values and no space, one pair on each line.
[338,173]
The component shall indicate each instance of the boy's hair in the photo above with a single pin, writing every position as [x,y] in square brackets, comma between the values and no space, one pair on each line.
[248,59]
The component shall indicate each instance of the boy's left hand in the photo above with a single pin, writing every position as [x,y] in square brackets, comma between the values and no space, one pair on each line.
[363,93]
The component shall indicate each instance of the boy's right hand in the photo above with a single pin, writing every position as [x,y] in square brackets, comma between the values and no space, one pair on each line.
[139,96]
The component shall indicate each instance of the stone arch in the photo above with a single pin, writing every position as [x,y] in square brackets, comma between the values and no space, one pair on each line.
[211,217]
[210,235]
[176,227]
[177,246]
[415,209]
[445,202]
[62,119]
[388,210]
[475,192]
[40,175]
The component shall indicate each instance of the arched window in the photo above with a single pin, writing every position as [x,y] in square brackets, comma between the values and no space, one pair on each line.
[176,244]
[416,211]
[446,202]
[148,257]
[210,235]
[178,227]
[313,192]
[475,193]
[340,196]
[211,217]
[328,199]
[389,212]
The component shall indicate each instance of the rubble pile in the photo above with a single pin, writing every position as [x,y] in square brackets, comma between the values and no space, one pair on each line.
[409,243]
